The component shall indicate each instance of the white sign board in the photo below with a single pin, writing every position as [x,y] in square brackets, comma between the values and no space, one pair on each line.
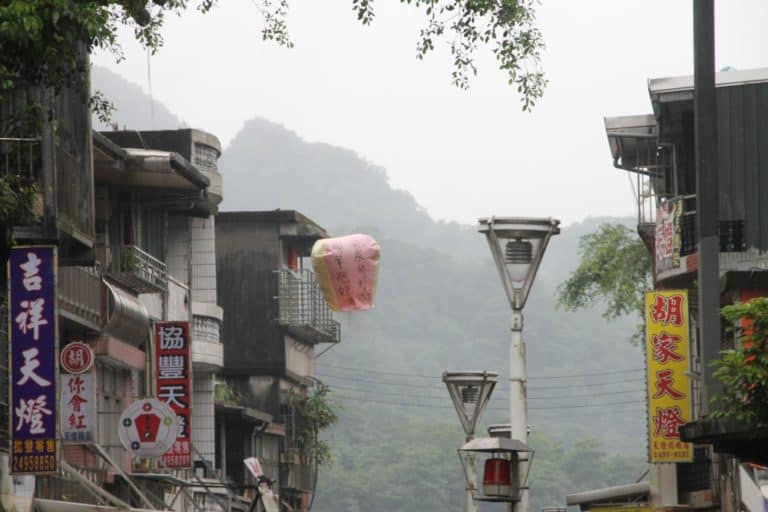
[148,428]
[78,408]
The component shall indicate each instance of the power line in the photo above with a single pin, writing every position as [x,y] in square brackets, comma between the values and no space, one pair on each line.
[447,397]
[591,384]
[427,386]
[433,406]
[439,377]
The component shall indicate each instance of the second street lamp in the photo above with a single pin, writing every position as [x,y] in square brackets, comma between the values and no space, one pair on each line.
[518,245]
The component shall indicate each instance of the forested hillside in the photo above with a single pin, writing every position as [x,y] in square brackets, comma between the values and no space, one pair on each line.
[440,306]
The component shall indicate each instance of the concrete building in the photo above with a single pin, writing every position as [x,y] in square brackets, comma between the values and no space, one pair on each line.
[152,206]
[658,150]
[276,317]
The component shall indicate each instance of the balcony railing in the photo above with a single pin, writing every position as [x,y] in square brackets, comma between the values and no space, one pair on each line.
[80,293]
[20,157]
[140,271]
[303,308]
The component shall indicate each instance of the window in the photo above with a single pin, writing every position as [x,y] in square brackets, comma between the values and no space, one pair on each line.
[111,396]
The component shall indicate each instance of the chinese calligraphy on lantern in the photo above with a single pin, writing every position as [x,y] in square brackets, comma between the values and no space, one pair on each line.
[669,388]
[33,348]
[347,270]
[173,376]
[78,400]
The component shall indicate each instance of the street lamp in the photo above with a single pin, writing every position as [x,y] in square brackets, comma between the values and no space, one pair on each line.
[518,245]
[470,393]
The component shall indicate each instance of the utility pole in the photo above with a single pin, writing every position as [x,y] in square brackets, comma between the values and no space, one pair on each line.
[707,200]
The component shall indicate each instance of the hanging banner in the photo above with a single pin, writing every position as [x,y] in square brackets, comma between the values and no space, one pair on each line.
[33,349]
[78,408]
[347,269]
[667,239]
[668,366]
[173,377]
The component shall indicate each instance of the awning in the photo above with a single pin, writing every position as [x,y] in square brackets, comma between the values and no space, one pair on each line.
[617,494]
[633,142]
[145,168]
[127,318]
[680,88]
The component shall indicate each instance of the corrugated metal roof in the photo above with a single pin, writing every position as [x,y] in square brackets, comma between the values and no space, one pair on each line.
[723,79]
[610,494]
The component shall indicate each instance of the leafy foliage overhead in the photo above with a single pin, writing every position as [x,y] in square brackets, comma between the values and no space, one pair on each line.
[507,25]
[43,41]
[40,40]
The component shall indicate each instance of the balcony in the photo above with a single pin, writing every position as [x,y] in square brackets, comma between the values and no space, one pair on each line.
[303,310]
[729,436]
[676,241]
[20,163]
[207,350]
[80,294]
[140,271]
[58,163]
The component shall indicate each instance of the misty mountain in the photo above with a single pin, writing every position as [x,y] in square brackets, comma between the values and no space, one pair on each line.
[134,110]
[334,186]
[439,306]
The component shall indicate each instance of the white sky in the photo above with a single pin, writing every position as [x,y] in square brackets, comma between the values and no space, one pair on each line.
[462,154]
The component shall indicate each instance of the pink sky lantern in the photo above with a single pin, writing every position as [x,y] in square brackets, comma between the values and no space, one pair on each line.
[347,268]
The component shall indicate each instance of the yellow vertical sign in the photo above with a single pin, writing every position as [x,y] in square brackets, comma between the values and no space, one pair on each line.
[669,387]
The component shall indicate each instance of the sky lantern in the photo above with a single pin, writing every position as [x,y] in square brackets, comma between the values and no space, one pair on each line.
[347,269]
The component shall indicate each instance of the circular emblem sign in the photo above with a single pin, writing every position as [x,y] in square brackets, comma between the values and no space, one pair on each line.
[148,428]
[76,357]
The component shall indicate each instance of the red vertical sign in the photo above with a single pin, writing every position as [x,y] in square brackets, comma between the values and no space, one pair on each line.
[173,377]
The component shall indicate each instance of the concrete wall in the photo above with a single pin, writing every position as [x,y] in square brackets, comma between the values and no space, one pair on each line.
[247,256]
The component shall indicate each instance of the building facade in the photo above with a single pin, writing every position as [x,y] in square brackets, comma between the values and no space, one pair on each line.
[658,150]
[276,318]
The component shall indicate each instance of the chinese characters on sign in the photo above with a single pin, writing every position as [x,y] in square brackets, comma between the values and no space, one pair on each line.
[33,348]
[667,248]
[78,398]
[76,357]
[669,388]
[173,377]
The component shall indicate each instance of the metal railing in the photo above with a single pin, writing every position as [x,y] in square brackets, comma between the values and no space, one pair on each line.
[80,292]
[140,270]
[20,157]
[302,305]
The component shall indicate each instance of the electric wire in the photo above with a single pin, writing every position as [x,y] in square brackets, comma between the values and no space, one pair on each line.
[423,376]
[447,397]
[434,406]
[437,386]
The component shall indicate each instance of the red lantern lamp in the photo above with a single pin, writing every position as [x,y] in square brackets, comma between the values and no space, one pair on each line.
[496,478]
[501,459]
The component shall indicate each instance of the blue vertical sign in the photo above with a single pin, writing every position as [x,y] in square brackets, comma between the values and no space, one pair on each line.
[33,349]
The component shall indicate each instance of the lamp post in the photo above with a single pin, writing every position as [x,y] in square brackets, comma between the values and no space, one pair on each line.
[470,393]
[517,246]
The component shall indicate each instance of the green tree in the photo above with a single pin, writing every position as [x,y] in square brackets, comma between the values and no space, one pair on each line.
[41,40]
[615,267]
[743,370]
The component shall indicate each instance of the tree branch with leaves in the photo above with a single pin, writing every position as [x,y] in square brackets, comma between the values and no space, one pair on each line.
[615,267]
